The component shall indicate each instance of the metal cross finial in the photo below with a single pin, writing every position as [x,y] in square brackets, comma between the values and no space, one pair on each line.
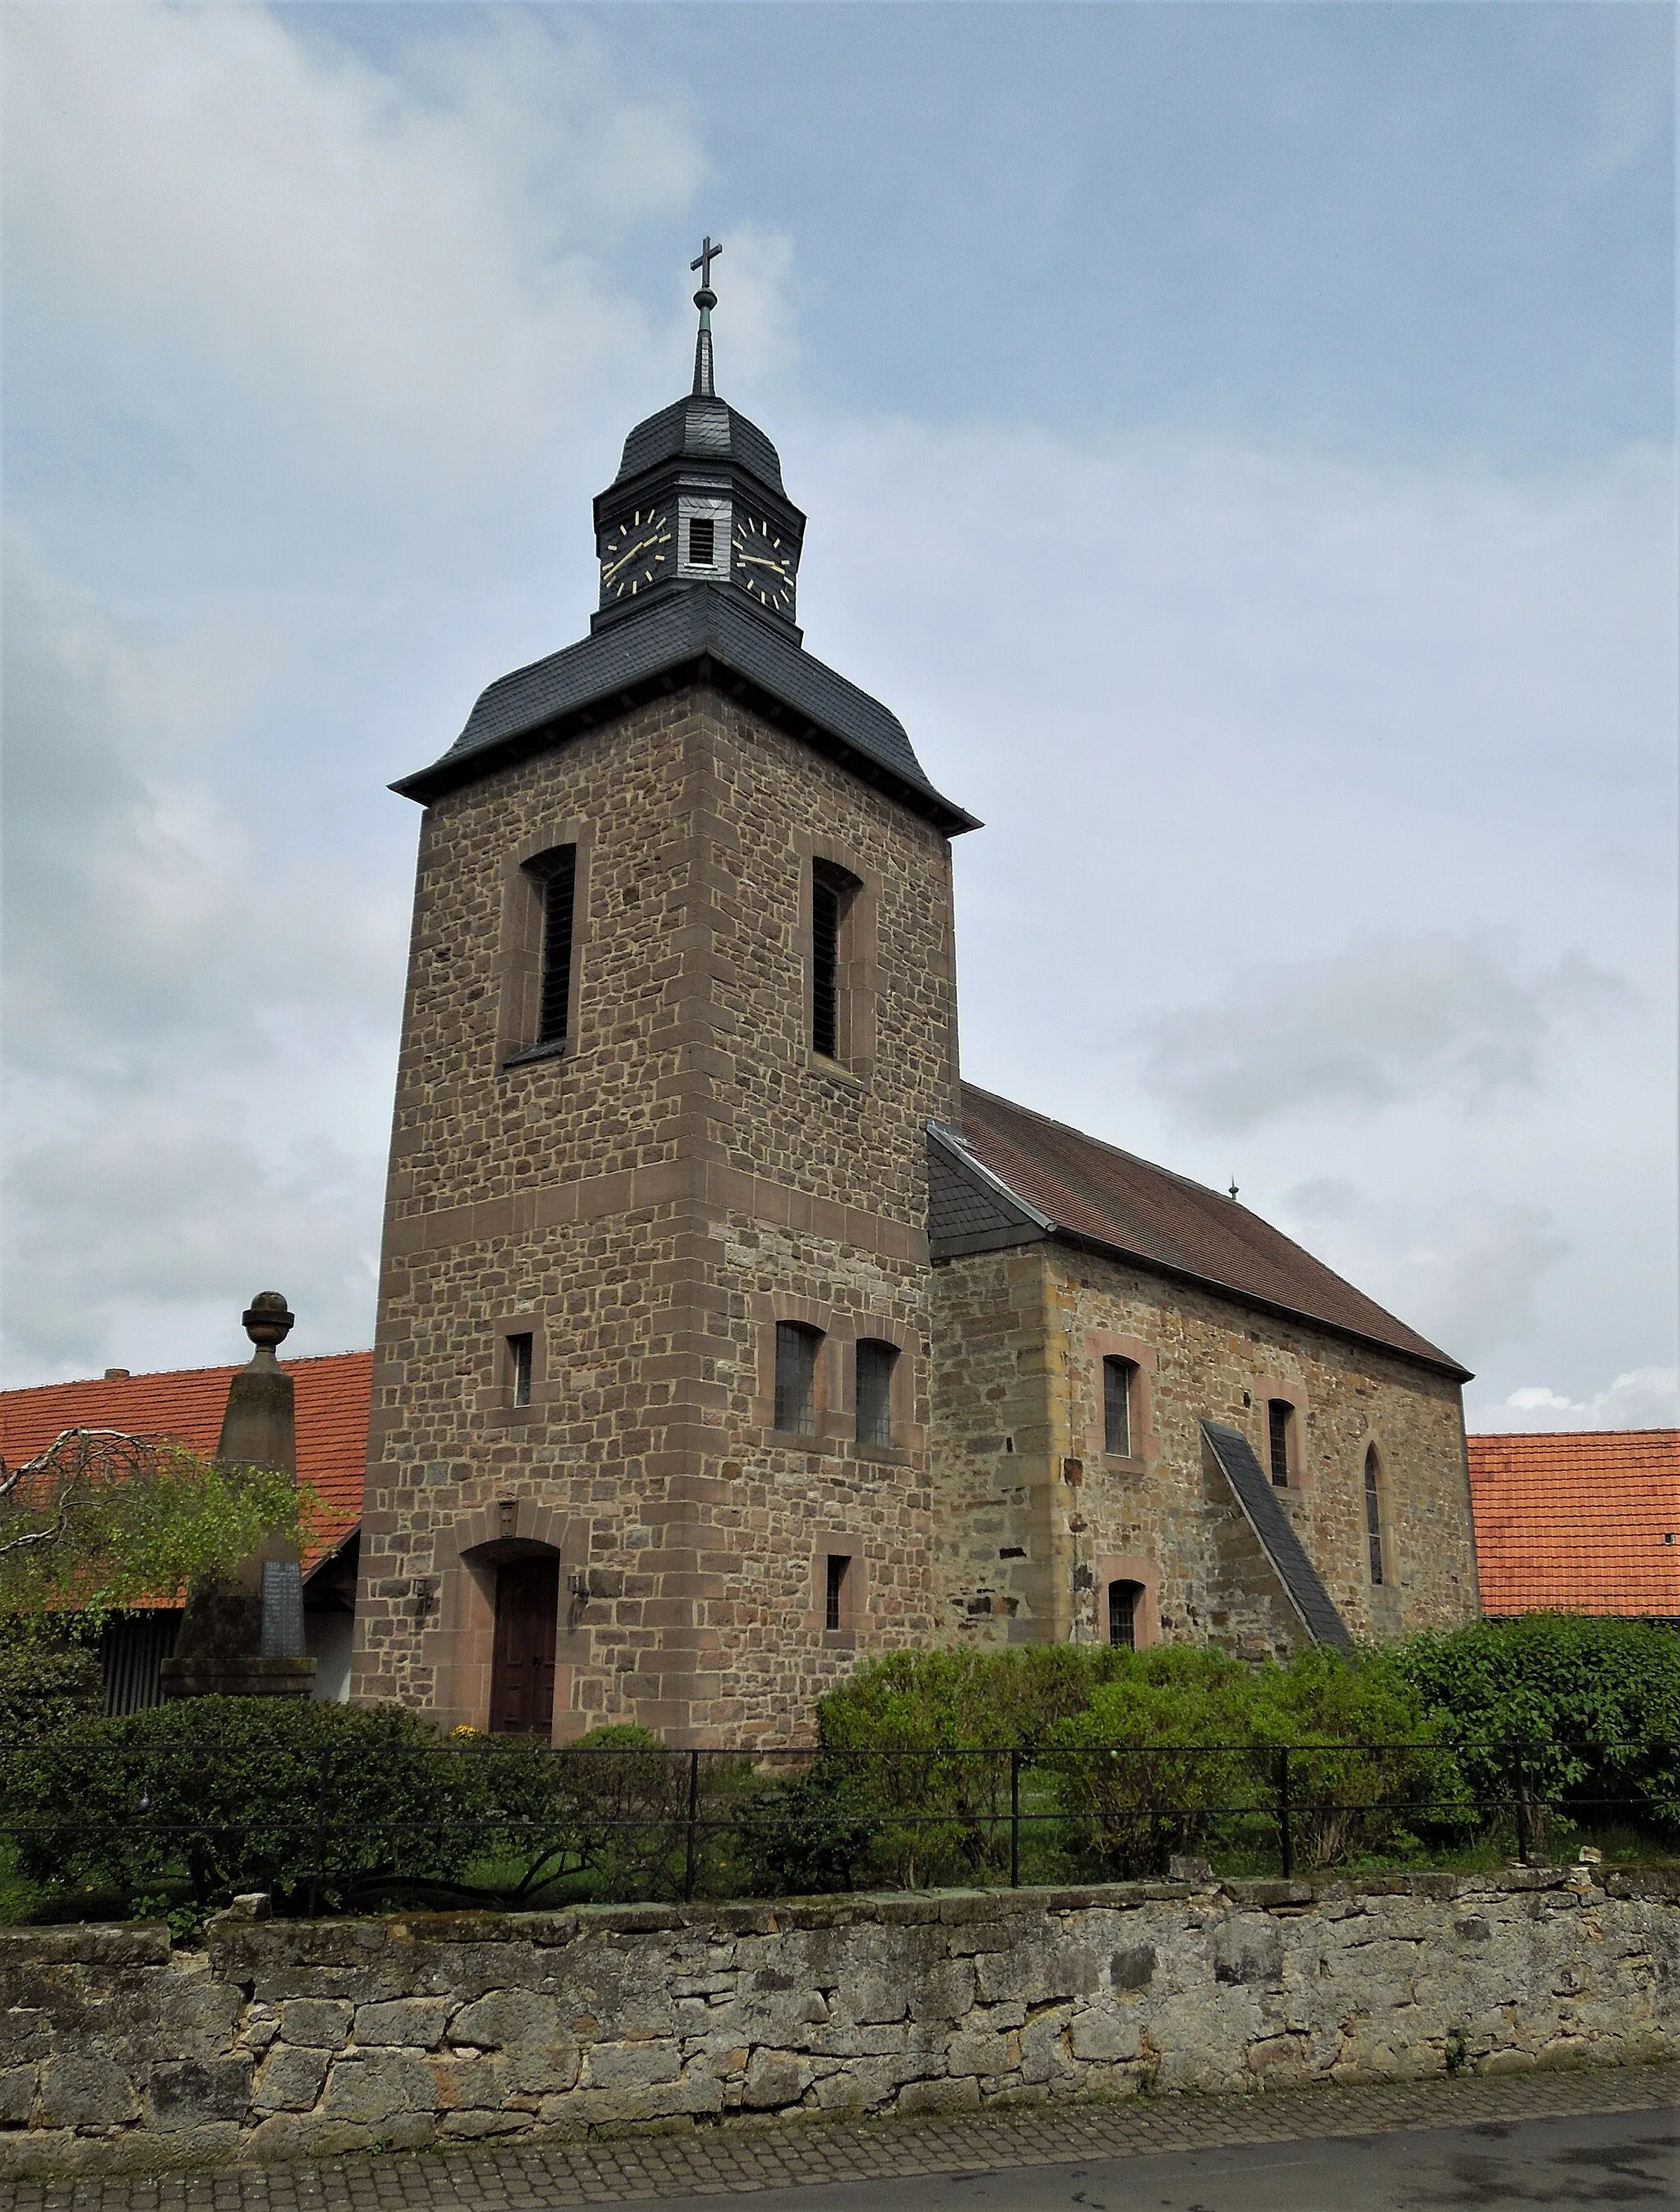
[705,299]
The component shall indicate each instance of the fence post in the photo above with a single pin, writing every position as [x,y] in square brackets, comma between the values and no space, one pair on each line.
[693,1820]
[1519,1792]
[1014,1820]
[1285,1835]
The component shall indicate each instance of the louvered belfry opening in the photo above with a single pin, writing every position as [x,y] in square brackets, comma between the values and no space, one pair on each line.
[832,889]
[824,966]
[702,542]
[559,873]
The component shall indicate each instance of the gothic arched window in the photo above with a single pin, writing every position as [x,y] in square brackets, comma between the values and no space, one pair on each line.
[1373,1513]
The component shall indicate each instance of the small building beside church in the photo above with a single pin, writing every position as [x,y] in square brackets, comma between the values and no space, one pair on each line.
[724,1334]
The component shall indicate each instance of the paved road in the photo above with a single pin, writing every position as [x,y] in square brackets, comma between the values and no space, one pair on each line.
[1619,2159]
[1557,2140]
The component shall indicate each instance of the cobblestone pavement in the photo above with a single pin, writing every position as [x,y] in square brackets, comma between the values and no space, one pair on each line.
[745,2159]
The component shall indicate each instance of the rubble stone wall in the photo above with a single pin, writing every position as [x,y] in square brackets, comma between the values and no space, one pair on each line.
[1033,1518]
[294,2039]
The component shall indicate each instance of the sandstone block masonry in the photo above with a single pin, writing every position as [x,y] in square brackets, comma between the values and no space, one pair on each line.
[1033,1518]
[641,1208]
[290,2039]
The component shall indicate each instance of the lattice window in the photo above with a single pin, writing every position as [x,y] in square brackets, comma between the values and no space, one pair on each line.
[797,1349]
[1122,1603]
[876,1363]
[1117,1407]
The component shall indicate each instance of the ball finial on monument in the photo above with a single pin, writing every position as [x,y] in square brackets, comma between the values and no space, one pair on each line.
[267,1321]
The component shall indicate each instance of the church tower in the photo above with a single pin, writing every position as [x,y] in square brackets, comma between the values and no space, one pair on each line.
[651,1385]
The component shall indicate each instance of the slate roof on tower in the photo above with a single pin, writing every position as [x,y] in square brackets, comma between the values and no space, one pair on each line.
[701,428]
[703,634]
[1040,1178]
[670,616]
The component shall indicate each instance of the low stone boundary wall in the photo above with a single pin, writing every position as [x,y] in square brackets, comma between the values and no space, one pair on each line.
[287,2039]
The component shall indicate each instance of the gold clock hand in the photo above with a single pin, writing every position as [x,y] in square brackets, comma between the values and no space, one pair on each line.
[642,545]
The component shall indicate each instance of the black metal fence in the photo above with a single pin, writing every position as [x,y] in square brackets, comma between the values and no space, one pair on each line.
[513,1823]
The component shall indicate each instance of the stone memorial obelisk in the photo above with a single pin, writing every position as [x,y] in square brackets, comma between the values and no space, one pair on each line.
[242,1634]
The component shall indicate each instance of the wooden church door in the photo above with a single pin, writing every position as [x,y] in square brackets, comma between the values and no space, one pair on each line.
[527,1604]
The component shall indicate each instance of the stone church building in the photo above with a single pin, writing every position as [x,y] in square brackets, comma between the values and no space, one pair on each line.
[725,1334]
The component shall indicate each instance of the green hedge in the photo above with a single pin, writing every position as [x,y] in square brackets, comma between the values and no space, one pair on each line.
[43,1688]
[1591,1709]
[234,1793]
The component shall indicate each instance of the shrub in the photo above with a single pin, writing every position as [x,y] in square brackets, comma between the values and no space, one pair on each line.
[228,1794]
[914,1725]
[43,1688]
[964,1700]
[812,1833]
[1578,1711]
[1156,1754]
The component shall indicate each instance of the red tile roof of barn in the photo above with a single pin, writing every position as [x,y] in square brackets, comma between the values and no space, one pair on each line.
[332,1396]
[1094,1191]
[1575,1523]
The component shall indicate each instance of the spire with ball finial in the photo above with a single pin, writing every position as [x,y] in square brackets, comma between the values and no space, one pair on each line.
[705,299]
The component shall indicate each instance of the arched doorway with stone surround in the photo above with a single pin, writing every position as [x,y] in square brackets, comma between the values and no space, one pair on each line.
[513,1635]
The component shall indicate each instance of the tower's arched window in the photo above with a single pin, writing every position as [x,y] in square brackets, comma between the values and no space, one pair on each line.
[1373,1513]
[559,872]
[796,1350]
[876,1363]
[833,890]
[1122,1603]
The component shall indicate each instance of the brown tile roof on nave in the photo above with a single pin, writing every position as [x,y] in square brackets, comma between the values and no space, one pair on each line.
[332,1396]
[1576,1522]
[1096,1193]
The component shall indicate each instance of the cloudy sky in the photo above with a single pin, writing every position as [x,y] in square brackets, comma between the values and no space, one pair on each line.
[1237,440]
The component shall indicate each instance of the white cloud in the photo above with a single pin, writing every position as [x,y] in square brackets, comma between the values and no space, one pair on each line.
[413,256]
[150,914]
[1391,1015]
[139,1240]
[1644,1398]
[1465,1270]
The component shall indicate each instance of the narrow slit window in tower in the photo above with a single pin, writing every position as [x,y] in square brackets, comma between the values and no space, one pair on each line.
[834,1592]
[518,1369]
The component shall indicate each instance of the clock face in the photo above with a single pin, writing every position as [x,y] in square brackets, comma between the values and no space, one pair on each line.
[763,563]
[637,552]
